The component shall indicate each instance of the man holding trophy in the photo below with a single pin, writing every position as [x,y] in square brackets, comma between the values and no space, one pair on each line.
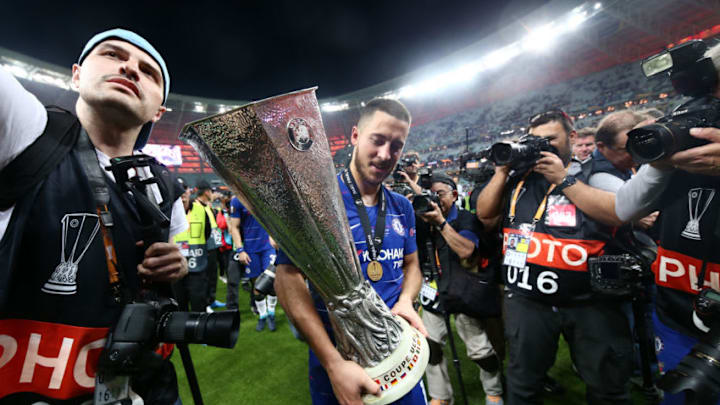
[391,266]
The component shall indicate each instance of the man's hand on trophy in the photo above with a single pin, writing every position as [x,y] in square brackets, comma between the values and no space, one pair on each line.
[404,308]
[701,159]
[350,382]
[242,257]
[434,216]
[163,262]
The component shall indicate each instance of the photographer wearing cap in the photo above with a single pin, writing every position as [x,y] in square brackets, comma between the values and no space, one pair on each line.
[456,240]
[683,184]
[58,303]
[558,222]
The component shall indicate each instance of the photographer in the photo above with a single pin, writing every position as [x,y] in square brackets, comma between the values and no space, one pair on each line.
[407,171]
[57,303]
[456,235]
[557,222]
[684,186]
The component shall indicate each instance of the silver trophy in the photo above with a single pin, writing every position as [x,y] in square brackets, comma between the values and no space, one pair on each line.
[275,156]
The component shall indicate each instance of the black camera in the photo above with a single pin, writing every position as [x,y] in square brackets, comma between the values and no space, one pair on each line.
[152,316]
[142,325]
[626,269]
[475,167]
[617,275]
[520,155]
[402,164]
[698,373]
[692,74]
[421,202]
[265,282]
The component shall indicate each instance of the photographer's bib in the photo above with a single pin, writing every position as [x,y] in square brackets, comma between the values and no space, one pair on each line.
[546,243]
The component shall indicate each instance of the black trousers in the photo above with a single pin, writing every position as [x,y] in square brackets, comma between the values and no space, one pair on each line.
[235,270]
[600,346]
[192,290]
[212,274]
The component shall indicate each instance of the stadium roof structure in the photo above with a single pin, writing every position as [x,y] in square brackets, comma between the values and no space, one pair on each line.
[560,41]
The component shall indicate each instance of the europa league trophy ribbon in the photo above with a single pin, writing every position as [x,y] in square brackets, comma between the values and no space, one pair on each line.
[274,154]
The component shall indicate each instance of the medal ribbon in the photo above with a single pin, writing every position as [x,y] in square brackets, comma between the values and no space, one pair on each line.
[374,239]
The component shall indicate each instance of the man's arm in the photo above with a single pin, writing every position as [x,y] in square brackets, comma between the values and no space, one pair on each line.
[414,186]
[234,228]
[489,202]
[461,245]
[22,118]
[640,195]
[597,204]
[349,380]
[412,281]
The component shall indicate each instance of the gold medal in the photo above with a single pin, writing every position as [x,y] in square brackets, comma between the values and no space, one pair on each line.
[374,270]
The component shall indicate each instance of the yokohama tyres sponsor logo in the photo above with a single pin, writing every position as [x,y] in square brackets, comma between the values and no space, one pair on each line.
[54,360]
[680,272]
[566,254]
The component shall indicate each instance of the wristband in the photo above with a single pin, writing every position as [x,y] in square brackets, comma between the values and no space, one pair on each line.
[240,249]
[441,226]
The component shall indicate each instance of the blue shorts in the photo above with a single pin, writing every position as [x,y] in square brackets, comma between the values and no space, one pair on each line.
[259,261]
[322,393]
[671,347]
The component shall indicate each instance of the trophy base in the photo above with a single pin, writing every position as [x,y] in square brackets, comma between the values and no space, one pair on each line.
[401,371]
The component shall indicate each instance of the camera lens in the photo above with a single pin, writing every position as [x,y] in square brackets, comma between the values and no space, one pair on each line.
[218,329]
[501,153]
[650,143]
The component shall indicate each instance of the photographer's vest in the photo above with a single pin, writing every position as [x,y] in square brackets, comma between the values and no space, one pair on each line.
[556,271]
[450,262]
[192,242]
[57,305]
[689,218]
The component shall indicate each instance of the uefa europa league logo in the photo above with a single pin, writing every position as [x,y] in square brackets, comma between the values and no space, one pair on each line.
[78,232]
[698,202]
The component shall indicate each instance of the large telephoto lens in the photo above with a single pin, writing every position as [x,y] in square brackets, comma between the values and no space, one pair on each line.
[218,329]
[651,143]
[509,153]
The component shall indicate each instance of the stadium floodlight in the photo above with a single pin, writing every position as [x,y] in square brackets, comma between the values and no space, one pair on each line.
[200,108]
[501,56]
[598,5]
[42,77]
[576,19]
[330,107]
[17,71]
[541,38]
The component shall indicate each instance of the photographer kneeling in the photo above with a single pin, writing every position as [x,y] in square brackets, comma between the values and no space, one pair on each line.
[455,237]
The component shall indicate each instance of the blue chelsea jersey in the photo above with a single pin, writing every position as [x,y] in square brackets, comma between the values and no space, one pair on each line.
[255,238]
[398,242]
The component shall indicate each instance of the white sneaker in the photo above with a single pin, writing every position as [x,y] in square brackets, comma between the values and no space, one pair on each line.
[209,310]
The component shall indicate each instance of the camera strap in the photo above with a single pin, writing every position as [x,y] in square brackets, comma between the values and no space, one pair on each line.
[516,195]
[101,194]
[374,239]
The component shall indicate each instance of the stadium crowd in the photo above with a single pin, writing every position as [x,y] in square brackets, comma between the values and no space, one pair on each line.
[603,235]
